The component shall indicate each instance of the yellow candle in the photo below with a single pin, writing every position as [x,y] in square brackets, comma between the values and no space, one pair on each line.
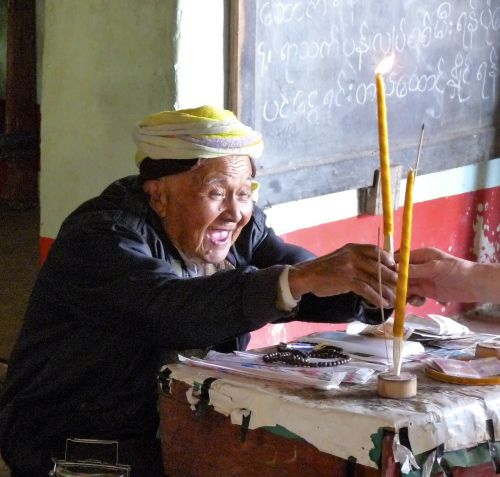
[385,173]
[404,259]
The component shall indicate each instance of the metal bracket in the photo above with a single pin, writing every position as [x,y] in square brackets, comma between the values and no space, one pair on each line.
[164,381]
[495,458]
[245,423]
[350,469]
[370,202]
[442,462]
[203,403]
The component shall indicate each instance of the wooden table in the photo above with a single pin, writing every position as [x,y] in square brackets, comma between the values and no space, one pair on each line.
[211,445]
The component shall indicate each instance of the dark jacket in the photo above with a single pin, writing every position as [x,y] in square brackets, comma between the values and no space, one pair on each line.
[106,306]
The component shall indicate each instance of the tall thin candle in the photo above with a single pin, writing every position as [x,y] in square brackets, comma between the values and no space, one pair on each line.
[402,284]
[383,138]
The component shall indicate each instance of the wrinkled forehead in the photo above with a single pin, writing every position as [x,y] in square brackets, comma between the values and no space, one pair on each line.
[155,169]
[228,169]
[230,166]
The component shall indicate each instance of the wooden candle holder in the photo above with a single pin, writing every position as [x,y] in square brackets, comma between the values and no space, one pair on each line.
[396,386]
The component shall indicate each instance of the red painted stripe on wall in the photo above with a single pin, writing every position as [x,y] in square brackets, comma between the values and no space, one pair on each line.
[446,222]
[45,244]
[453,224]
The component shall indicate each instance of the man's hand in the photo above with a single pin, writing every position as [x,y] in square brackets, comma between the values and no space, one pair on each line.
[352,268]
[436,274]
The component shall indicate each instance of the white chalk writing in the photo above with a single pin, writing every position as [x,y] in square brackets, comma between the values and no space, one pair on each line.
[447,54]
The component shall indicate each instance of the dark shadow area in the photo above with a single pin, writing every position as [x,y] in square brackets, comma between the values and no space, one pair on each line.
[19,258]
[19,264]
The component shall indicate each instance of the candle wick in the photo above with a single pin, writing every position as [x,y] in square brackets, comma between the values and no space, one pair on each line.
[419,148]
[381,304]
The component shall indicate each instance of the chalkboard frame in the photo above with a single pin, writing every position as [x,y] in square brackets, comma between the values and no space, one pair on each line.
[351,171]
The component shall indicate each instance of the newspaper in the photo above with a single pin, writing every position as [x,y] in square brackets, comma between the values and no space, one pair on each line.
[251,364]
[421,328]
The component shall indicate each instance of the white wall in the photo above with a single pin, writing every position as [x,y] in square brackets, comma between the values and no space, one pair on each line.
[200,67]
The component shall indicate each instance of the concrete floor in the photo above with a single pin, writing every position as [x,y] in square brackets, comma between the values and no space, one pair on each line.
[19,259]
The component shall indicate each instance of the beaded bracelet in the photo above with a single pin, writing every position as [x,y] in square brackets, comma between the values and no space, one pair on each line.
[332,355]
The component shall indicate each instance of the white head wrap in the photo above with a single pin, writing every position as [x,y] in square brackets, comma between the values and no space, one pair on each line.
[204,132]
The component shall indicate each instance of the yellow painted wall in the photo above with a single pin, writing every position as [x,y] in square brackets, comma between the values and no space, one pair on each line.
[106,64]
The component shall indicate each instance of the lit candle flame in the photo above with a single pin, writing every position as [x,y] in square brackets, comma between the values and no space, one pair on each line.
[386,64]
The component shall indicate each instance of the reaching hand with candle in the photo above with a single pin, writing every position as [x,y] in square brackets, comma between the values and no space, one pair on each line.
[444,277]
[352,268]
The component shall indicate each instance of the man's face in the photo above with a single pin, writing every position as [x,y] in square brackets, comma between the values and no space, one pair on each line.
[207,207]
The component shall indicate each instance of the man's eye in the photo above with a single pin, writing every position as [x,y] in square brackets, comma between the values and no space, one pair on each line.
[245,195]
[217,194]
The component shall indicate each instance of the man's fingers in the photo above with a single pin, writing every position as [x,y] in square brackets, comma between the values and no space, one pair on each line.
[369,290]
[371,296]
[423,255]
[371,252]
[388,276]
[423,270]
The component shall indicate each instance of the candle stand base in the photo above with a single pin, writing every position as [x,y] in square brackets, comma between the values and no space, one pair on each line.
[396,386]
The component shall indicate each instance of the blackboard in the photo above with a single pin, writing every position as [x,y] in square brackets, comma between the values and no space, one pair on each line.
[302,73]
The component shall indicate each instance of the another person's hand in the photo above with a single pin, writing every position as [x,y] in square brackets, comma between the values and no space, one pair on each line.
[439,275]
[352,268]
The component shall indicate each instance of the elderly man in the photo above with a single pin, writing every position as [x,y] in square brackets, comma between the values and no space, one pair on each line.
[178,257]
